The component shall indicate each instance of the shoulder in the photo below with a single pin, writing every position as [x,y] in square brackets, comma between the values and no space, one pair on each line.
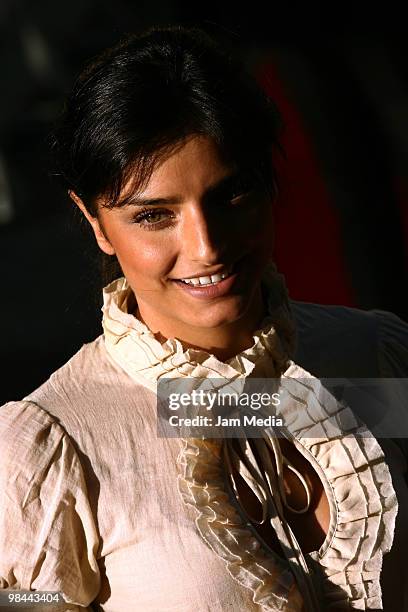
[79,385]
[337,341]
[88,366]
[24,429]
[35,430]
[83,394]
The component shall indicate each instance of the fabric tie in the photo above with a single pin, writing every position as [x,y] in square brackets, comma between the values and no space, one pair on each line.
[265,480]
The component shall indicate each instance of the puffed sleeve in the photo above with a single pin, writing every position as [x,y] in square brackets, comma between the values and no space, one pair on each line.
[392,354]
[392,345]
[48,537]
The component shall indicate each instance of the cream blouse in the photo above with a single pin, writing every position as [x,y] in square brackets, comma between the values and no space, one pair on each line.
[95,505]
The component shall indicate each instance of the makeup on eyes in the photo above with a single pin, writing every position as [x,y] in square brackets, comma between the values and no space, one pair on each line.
[235,187]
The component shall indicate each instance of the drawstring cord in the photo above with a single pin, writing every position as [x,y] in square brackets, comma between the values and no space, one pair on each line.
[265,479]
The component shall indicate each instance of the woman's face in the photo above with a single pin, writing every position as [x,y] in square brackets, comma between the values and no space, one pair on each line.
[196,217]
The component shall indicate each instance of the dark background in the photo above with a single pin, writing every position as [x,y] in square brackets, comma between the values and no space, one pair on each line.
[340,79]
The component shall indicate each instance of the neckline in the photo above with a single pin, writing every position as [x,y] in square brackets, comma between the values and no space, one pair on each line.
[130,342]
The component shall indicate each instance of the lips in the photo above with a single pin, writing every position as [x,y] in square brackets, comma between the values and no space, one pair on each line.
[213,290]
[206,278]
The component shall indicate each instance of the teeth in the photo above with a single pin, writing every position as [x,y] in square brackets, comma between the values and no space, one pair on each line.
[215,278]
[204,280]
[207,280]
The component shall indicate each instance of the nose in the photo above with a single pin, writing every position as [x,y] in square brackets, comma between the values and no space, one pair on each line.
[203,238]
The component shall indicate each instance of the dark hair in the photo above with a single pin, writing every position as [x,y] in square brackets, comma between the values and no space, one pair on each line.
[137,101]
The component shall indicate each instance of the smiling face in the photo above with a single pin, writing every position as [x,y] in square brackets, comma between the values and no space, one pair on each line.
[197,216]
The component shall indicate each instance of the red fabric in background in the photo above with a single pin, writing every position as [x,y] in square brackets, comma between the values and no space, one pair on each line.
[308,242]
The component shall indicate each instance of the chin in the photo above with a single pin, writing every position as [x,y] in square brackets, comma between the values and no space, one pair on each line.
[217,317]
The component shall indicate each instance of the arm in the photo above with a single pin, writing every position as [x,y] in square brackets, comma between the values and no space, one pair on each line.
[48,539]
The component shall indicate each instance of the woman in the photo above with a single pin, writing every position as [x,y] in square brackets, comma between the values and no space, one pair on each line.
[165,146]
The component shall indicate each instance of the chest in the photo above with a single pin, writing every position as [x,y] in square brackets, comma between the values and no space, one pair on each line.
[310,528]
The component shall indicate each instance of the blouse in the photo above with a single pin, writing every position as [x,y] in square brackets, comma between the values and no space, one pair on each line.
[94,505]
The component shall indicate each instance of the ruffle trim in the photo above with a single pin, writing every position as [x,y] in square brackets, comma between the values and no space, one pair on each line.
[351,464]
[358,485]
[131,343]
[202,486]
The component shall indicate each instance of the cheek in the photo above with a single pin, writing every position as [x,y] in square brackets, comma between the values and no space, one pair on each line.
[141,256]
[259,230]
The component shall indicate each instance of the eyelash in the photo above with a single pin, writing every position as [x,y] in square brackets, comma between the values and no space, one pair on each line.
[146,213]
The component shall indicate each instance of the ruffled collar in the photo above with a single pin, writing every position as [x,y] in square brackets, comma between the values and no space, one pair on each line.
[146,359]
[356,478]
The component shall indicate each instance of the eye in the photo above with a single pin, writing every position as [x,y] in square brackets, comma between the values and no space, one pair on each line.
[239,194]
[239,191]
[151,218]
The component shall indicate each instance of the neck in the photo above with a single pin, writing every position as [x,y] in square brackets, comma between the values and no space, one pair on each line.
[225,341]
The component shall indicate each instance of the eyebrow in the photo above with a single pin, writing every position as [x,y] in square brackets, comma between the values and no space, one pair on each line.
[220,185]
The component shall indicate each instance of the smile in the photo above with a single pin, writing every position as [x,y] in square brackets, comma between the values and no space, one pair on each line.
[211,287]
[207,280]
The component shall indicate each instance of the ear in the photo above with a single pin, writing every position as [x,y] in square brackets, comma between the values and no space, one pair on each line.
[100,236]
